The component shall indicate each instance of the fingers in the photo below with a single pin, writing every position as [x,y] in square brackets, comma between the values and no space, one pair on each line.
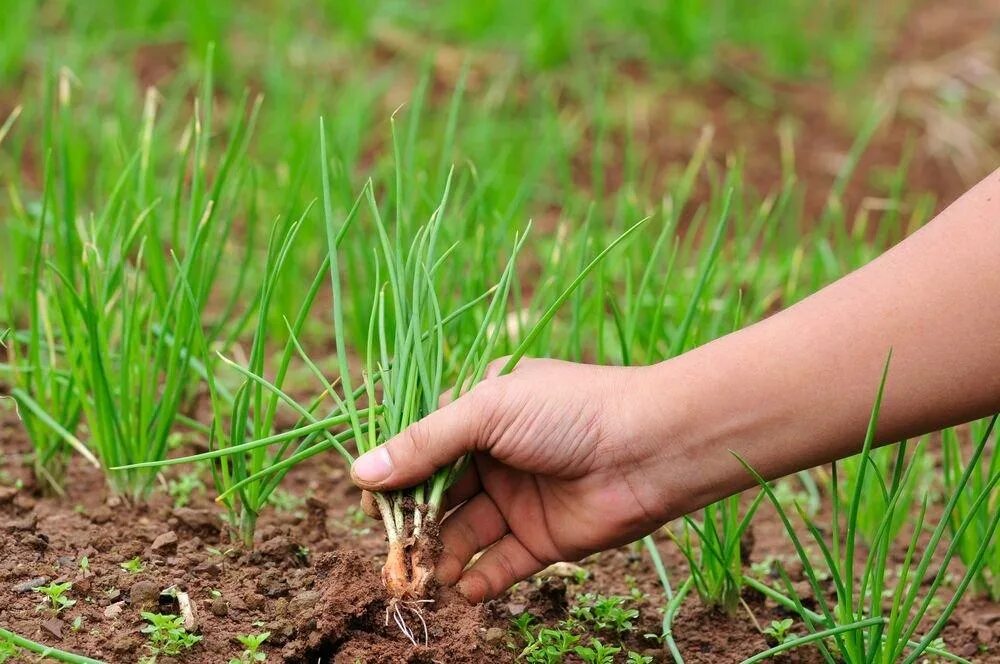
[503,565]
[439,439]
[473,527]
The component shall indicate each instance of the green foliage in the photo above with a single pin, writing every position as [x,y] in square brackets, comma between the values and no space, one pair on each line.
[8,651]
[184,487]
[251,648]
[604,614]
[857,625]
[779,630]
[167,635]
[133,565]
[597,653]
[55,593]
[716,563]
[968,541]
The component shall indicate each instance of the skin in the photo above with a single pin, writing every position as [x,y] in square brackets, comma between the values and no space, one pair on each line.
[571,459]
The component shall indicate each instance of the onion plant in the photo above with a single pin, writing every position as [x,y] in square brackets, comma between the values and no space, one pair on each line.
[873,616]
[987,580]
[123,314]
[406,372]
[41,384]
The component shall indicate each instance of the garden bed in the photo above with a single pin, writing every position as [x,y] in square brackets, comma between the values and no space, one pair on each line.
[313,581]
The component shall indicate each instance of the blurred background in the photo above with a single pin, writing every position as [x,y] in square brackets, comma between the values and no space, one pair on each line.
[582,93]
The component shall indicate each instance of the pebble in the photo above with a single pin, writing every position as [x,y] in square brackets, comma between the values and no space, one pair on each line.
[165,543]
[28,585]
[494,635]
[7,494]
[218,607]
[144,593]
[516,608]
[101,515]
[114,610]
[54,626]
[303,602]
[28,523]
[197,519]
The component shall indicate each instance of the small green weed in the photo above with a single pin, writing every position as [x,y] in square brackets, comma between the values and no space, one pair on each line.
[8,651]
[604,614]
[597,653]
[184,487]
[167,635]
[133,566]
[56,595]
[251,649]
[779,630]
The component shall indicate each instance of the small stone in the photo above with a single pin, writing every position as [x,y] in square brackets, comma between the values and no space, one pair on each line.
[208,568]
[165,543]
[303,602]
[218,607]
[254,601]
[114,610]
[31,584]
[101,515]
[28,523]
[516,608]
[564,571]
[7,494]
[198,520]
[271,584]
[494,635]
[54,626]
[144,593]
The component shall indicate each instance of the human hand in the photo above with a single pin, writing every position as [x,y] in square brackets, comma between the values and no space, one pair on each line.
[561,468]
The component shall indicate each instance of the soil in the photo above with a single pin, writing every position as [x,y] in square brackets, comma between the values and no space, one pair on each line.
[314,581]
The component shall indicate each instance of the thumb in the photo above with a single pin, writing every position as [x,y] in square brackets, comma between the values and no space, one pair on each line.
[434,442]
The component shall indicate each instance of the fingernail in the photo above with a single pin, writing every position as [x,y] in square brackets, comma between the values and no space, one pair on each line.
[373,467]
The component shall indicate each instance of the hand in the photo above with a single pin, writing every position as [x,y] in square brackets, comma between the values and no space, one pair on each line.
[560,469]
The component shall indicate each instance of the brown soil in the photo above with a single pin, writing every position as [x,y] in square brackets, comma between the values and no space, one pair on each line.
[314,581]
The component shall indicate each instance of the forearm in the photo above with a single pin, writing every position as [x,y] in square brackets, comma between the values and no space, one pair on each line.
[796,390]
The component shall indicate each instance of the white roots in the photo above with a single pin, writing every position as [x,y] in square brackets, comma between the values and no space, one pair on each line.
[395,610]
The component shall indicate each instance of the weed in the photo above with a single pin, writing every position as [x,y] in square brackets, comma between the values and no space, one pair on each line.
[597,653]
[184,487]
[604,614]
[133,565]
[55,593]
[251,649]
[779,630]
[167,635]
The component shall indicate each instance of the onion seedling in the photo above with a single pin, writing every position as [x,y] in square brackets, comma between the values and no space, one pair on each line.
[987,580]
[127,320]
[407,370]
[41,383]
[872,619]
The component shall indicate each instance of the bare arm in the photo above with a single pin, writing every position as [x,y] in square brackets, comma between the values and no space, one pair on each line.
[796,390]
[569,459]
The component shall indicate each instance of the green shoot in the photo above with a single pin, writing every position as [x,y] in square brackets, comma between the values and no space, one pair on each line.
[251,649]
[167,635]
[133,565]
[779,631]
[987,579]
[857,624]
[55,594]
